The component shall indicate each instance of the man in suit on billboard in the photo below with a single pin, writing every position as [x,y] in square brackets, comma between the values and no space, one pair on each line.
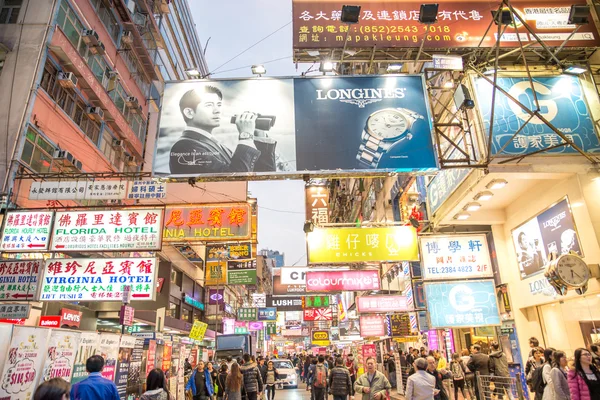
[198,151]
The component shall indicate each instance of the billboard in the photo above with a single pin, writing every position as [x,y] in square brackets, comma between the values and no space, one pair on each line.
[285,126]
[551,231]
[337,281]
[381,304]
[285,303]
[562,103]
[372,326]
[462,304]
[394,23]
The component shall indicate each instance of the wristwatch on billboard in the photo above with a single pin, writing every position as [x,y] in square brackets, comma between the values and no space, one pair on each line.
[383,129]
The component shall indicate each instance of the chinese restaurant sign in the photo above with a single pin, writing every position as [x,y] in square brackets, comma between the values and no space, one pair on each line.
[381,304]
[98,279]
[318,314]
[455,257]
[19,279]
[215,274]
[247,314]
[462,304]
[241,272]
[107,230]
[26,231]
[372,326]
[230,221]
[341,245]
[394,23]
[336,281]
[317,201]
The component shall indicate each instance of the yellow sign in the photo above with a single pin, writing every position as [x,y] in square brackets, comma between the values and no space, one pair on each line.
[198,330]
[216,273]
[406,339]
[320,338]
[342,245]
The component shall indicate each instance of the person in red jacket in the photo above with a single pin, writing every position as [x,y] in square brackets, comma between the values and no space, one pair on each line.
[584,379]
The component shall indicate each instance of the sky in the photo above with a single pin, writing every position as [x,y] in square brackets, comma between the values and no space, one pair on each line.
[233,26]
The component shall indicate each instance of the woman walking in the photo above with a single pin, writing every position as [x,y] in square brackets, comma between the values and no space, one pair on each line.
[156,386]
[584,380]
[270,378]
[233,384]
[221,379]
[558,386]
[459,372]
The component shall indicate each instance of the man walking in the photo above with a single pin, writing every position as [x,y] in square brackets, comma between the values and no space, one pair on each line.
[479,363]
[390,367]
[420,385]
[440,393]
[94,387]
[201,383]
[319,385]
[340,383]
[252,380]
[499,368]
[373,384]
[351,366]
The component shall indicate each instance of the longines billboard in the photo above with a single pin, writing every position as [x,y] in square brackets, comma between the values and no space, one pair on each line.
[294,125]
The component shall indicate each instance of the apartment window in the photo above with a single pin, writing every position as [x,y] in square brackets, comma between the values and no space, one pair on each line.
[118,96]
[186,314]
[108,19]
[173,310]
[69,23]
[37,152]
[176,277]
[9,11]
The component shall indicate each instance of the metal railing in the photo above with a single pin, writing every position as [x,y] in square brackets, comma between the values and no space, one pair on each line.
[488,387]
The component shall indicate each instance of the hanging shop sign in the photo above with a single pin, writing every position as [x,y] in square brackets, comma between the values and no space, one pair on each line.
[317,314]
[342,245]
[317,202]
[462,304]
[255,325]
[107,230]
[50,321]
[315,301]
[228,326]
[381,304]
[216,296]
[551,231]
[271,328]
[320,338]
[126,315]
[372,326]
[26,231]
[147,190]
[98,279]
[215,273]
[193,302]
[394,23]
[447,62]
[201,222]
[284,303]
[70,318]
[19,279]
[336,281]
[450,257]
[293,275]
[267,314]
[14,311]
[228,251]
[198,330]
[563,104]
[241,272]
[78,190]
[247,314]
[400,325]
[259,300]
[442,186]
[304,128]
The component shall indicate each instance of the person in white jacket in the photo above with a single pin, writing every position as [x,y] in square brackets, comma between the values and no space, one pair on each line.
[420,385]
[557,386]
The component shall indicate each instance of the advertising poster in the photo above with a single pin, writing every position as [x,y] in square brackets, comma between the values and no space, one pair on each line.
[368,350]
[151,356]
[23,362]
[60,357]
[216,273]
[109,350]
[372,326]
[123,364]
[167,356]
[562,103]
[5,332]
[180,373]
[551,231]
[455,257]
[135,367]
[462,304]
[88,345]
[229,251]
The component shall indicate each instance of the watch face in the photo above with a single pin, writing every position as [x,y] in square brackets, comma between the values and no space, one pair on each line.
[387,124]
[572,270]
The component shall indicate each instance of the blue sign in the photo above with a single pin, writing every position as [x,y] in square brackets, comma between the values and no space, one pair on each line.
[462,304]
[443,185]
[267,314]
[562,103]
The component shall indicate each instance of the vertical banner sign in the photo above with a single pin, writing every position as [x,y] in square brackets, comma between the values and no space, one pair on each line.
[151,356]
[19,279]
[372,326]
[180,372]
[271,328]
[23,362]
[109,350]
[26,231]
[368,350]
[167,355]
[88,345]
[135,368]
[60,361]
[123,362]
[317,202]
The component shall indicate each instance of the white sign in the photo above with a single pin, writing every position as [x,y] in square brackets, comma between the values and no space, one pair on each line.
[78,190]
[14,311]
[455,257]
[448,62]
[297,275]
[259,300]
[26,231]
[147,190]
[108,230]
[62,349]
[19,279]
[98,279]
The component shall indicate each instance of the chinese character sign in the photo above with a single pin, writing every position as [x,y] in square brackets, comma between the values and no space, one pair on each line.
[455,257]
[98,279]
[318,314]
[443,185]
[229,221]
[107,230]
[372,326]
[229,251]
[462,304]
[267,314]
[147,190]
[19,279]
[381,304]
[198,330]
[78,190]
[341,245]
[16,311]
[335,281]
[317,202]
[247,314]
[400,325]
[26,231]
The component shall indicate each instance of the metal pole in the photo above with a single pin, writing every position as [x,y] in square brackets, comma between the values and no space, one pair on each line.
[519,385]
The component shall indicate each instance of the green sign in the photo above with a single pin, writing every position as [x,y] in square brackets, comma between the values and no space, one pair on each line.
[242,277]
[316,301]
[271,329]
[193,302]
[240,329]
[261,335]
[247,314]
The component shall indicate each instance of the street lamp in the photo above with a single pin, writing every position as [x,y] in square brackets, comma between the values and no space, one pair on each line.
[428,13]
[326,66]
[259,70]
[394,68]
[350,14]
[192,73]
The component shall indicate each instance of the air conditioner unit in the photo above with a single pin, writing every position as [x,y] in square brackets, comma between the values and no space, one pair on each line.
[118,145]
[98,49]
[90,37]
[139,19]
[132,102]
[95,113]
[67,79]
[137,110]
[65,161]
[131,161]
[127,38]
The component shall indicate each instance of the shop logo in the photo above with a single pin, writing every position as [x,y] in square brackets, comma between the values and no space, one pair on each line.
[461,298]
[320,335]
[555,221]
[361,97]
[549,107]
[50,322]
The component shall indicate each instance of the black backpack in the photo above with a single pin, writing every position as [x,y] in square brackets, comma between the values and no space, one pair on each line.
[537,380]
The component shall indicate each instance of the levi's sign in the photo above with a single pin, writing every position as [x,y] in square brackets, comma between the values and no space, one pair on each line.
[335,281]
[381,304]
[107,230]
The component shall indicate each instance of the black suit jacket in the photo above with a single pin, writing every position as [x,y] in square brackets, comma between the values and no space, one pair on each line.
[195,153]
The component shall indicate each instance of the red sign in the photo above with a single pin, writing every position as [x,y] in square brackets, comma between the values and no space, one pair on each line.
[368,350]
[126,315]
[394,23]
[318,314]
[337,281]
[151,358]
[50,321]
[159,286]
[70,318]
[372,326]
[381,304]
[20,321]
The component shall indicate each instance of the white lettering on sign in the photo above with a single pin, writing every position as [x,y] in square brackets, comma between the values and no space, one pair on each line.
[542,286]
